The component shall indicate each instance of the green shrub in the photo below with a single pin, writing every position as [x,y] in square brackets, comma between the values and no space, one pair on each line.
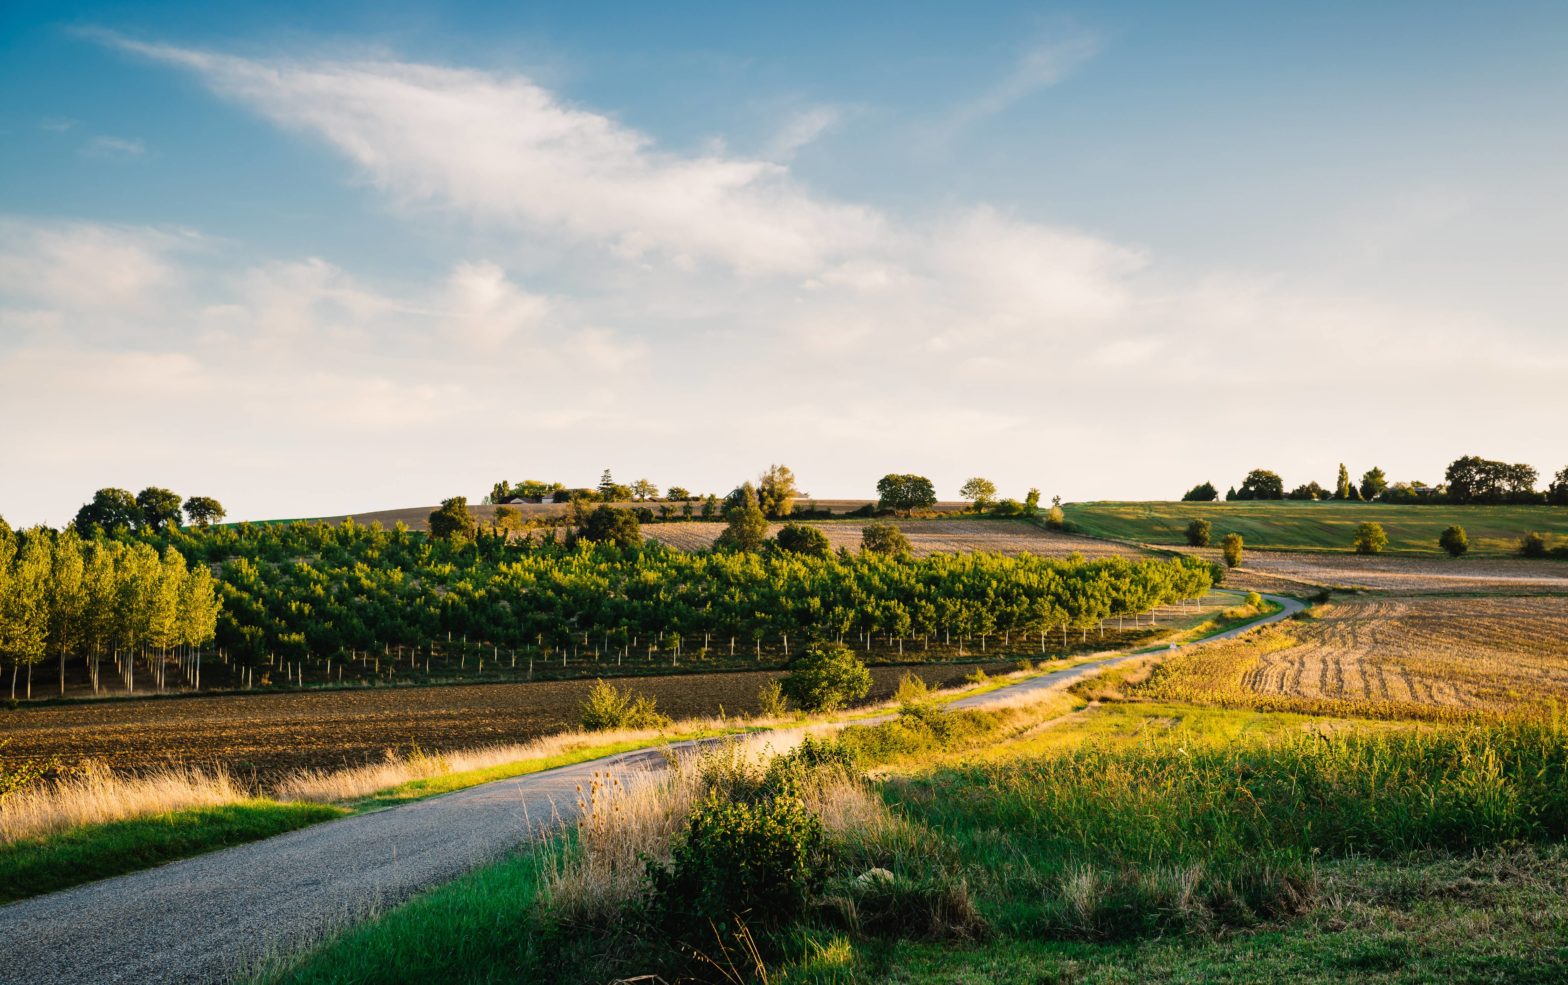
[1198,532]
[977,676]
[758,861]
[771,702]
[1533,545]
[1454,540]
[1231,547]
[610,707]
[1370,538]
[826,677]
[797,538]
[884,538]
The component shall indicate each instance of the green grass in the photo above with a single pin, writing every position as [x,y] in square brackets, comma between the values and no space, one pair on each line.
[1327,526]
[97,851]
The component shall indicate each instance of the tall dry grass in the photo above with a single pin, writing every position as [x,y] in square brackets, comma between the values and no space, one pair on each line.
[95,795]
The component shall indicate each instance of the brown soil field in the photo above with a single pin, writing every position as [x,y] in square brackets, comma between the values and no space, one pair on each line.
[926,536]
[268,734]
[1389,656]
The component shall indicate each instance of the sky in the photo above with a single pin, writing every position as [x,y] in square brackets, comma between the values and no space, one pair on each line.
[314,259]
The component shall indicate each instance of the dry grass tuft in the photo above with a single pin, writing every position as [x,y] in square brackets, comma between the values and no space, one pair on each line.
[96,795]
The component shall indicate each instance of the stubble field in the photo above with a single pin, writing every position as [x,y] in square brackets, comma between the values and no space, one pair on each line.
[926,536]
[1387,656]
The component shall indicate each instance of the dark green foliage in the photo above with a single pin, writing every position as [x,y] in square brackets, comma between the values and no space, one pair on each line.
[1342,484]
[1310,491]
[1202,493]
[204,511]
[1472,479]
[109,510]
[1370,538]
[1032,502]
[1008,507]
[1198,533]
[334,588]
[1533,544]
[797,538]
[1262,484]
[979,491]
[452,519]
[609,707]
[608,525]
[1231,549]
[884,538]
[746,525]
[826,677]
[905,493]
[1373,484]
[1454,540]
[758,861]
[1557,492]
[159,507]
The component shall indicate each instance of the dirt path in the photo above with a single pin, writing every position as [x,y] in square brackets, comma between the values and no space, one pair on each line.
[209,918]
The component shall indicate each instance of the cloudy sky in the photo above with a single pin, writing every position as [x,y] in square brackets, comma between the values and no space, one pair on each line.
[318,261]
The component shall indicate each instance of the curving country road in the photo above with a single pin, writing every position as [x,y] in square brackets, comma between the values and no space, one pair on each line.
[212,917]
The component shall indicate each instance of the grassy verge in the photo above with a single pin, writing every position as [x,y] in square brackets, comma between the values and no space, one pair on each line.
[97,851]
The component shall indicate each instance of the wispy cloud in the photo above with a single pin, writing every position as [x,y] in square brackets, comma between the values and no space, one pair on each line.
[113,147]
[57,124]
[1040,66]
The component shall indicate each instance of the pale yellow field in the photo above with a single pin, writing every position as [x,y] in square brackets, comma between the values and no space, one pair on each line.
[1419,657]
[925,537]
[1289,571]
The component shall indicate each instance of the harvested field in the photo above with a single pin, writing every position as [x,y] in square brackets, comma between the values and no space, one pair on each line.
[926,536]
[1273,571]
[418,517]
[1394,657]
[270,734]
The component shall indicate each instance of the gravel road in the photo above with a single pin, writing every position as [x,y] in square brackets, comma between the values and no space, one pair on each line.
[210,918]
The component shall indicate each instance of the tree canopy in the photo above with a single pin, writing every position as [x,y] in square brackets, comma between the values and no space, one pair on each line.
[1203,492]
[452,519]
[905,493]
[1261,484]
[980,492]
[204,511]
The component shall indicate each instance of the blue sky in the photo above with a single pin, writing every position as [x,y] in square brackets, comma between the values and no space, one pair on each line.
[318,258]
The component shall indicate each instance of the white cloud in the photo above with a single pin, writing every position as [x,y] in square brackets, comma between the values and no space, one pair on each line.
[804,128]
[113,147]
[76,267]
[1040,66]
[503,149]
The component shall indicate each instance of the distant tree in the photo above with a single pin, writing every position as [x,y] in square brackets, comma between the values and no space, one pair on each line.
[608,525]
[1557,492]
[677,494]
[1007,506]
[1055,518]
[204,511]
[905,493]
[747,526]
[1310,491]
[1262,484]
[1032,502]
[1533,544]
[1353,494]
[797,538]
[452,519]
[1204,492]
[507,520]
[1373,483]
[1198,533]
[1472,479]
[776,491]
[980,492]
[606,486]
[643,490]
[499,493]
[159,507]
[1370,538]
[826,677]
[1342,484]
[108,510]
[1230,494]
[710,507]
[1231,548]
[1454,540]
[884,538]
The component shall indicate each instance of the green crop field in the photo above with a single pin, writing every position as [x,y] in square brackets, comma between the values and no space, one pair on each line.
[1326,526]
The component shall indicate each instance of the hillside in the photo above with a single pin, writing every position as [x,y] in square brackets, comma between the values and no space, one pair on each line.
[1311,526]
